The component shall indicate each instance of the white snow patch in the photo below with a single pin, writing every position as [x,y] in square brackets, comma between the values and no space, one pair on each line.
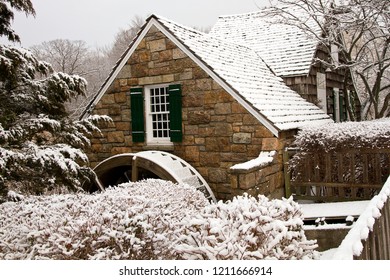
[264,159]
[334,209]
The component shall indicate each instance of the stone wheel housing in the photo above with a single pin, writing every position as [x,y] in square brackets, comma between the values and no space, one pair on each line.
[148,164]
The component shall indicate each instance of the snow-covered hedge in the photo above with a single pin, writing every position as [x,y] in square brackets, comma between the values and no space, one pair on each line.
[346,135]
[353,141]
[246,228]
[151,219]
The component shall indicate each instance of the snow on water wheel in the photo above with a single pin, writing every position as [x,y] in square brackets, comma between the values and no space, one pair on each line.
[148,164]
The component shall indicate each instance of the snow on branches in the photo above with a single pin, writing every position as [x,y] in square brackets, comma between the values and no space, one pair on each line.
[151,219]
[132,221]
[246,228]
[349,152]
[40,146]
[356,35]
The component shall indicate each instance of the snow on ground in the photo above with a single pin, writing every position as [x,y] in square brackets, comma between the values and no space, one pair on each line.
[334,209]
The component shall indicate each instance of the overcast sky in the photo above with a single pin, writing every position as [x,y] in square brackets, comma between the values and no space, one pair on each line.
[97,21]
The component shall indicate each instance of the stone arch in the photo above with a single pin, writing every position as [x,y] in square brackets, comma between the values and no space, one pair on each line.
[148,164]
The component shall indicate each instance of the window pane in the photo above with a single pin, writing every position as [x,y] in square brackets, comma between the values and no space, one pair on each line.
[159,112]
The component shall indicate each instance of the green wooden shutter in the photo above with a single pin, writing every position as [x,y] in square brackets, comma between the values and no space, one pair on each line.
[137,114]
[175,109]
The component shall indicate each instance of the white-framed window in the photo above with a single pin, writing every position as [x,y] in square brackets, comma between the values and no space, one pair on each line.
[157,114]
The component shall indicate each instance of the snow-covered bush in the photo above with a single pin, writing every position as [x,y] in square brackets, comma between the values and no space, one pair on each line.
[245,228]
[357,150]
[151,219]
[346,135]
[131,221]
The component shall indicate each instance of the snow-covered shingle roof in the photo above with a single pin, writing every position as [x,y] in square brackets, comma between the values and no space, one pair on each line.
[287,49]
[239,70]
[245,72]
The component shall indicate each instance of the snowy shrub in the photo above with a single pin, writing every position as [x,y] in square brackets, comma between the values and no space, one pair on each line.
[131,221]
[322,148]
[151,219]
[346,135]
[245,228]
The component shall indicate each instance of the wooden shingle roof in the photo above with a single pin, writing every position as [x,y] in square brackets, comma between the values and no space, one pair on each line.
[239,70]
[287,49]
[250,77]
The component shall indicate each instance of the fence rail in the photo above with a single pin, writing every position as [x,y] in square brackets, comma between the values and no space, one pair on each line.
[353,174]
[369,238]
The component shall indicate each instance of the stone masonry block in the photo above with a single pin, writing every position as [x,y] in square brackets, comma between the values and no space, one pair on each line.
[120,97]
[157,45]
[270,144]
[217,175]
[198,117]
[150,80]
[178,53]
[211,159]
[204,84]
[192,153]
[223,109]
[125,72]
[247,181]
[234,181]
[108,99]
[242,138]
[223,129]
[115,137]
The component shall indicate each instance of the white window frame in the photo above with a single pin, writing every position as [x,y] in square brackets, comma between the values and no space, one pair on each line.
[151,138]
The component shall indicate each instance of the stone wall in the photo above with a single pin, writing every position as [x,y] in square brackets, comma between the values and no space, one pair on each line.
[267,180]
[217,131]
[328,238]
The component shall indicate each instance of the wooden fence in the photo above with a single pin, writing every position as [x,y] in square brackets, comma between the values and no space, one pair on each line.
[353,174]
[369,238]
